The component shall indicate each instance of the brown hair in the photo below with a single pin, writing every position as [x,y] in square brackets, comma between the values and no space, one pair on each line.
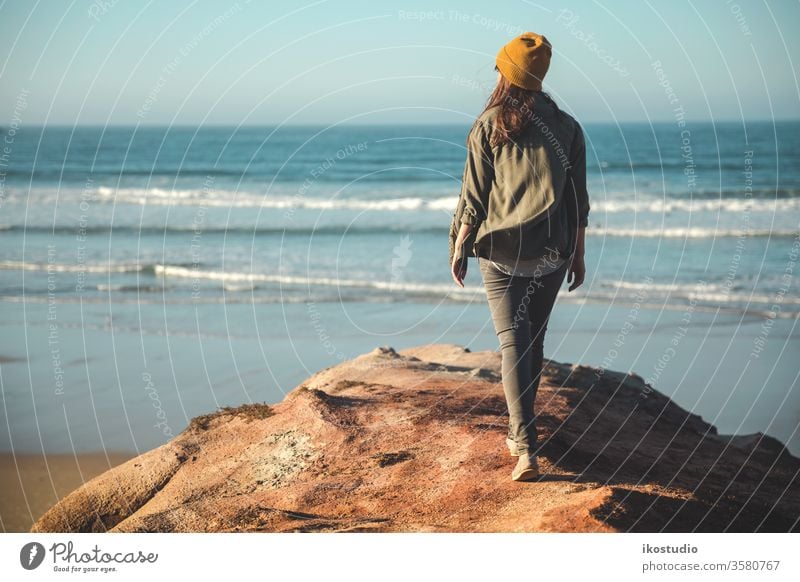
[516,110]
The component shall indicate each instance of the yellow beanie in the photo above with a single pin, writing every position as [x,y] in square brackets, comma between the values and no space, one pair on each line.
[525,60]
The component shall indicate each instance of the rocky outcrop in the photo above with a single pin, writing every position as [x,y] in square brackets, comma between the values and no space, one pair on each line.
[414,441]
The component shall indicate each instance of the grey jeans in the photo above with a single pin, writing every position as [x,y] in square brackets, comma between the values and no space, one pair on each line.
[520,308]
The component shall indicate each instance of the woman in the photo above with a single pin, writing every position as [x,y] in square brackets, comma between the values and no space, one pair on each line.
[522,213]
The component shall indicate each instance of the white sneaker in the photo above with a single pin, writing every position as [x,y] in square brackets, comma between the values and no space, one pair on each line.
[527,468]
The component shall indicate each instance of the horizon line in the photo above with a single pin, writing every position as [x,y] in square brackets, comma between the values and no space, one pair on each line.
[383,123]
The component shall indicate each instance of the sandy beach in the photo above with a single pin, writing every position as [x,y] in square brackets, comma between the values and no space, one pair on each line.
[30,484]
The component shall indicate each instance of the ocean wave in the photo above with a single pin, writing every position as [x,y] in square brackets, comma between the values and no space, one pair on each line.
[145,288]
[177,280]
[297,280]
[157,196]
[698,232]
[625,204]
[667,205]
[71,268]
[760,307]
[230,230]
[109,267]
[707,293]
[228,199]
[612,202]
[132,288]
[644,231]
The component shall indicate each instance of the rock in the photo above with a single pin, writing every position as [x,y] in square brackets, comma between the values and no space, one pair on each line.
[414,441]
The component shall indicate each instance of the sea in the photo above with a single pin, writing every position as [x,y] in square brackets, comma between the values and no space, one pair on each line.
[151,274]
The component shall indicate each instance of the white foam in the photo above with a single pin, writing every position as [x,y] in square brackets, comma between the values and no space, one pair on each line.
[157,196]
[696,232]
[243,199]
[73,268]
[237,276]
[665,206]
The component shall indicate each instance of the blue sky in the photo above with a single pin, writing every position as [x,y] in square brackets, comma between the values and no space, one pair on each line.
[336,61]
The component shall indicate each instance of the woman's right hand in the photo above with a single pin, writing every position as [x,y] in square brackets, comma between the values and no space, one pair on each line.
[577,271]
[458,269]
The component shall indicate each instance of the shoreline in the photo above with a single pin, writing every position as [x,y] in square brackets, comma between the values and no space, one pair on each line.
[714,354]
[31,483]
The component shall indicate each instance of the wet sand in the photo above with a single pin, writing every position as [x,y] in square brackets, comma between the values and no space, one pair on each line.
[32,483]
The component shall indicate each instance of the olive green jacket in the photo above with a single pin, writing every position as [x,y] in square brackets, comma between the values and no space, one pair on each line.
[523,195]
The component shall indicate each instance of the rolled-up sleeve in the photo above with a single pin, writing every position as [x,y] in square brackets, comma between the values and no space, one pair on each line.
[478,176]
[576,177]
